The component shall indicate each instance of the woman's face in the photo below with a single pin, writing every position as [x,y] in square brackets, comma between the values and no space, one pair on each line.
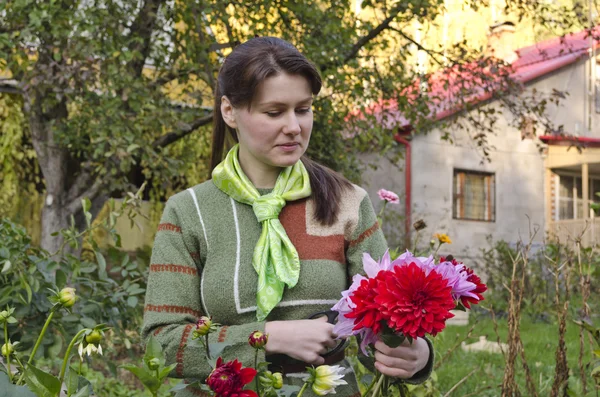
[275,130]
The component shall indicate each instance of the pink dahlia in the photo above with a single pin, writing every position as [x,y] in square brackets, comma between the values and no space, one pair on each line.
[388,196]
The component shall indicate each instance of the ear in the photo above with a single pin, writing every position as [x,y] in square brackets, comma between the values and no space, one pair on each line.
[228,112]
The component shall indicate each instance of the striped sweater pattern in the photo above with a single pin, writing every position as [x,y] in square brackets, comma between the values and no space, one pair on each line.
[202,265]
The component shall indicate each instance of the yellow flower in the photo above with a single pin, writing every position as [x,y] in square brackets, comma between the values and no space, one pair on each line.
[325,378]
[443,238]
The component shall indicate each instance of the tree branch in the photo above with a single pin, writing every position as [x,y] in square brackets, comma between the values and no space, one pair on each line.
[91,193]
[185,130]
[385,24]
[141,33]
[78,186]
[419,46]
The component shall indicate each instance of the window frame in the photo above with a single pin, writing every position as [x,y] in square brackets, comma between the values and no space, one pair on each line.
[490,199]
[575,200]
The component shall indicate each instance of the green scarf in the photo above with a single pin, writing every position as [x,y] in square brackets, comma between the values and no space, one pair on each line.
[275,258]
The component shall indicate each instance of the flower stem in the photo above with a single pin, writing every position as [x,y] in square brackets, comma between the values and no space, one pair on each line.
[9,372]
[38,342]
[437,249]
[256,368]
[375,378]
[207,348]
[378,385]
[302,390]
[68,354]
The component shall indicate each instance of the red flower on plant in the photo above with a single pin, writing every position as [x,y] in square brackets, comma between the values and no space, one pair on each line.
[367,312]
[413,302]
[228,379]
[473,278]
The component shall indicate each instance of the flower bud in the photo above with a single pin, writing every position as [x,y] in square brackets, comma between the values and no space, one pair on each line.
[4,315]
[277,380]
[258,340]
[67,297]
[153,364]
[203,326]
[419,225]
[94,337]
[7,349]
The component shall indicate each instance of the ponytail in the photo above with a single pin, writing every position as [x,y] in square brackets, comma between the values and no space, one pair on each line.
[327,188]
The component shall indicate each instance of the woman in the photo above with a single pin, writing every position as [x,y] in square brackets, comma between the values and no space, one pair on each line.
[271,239]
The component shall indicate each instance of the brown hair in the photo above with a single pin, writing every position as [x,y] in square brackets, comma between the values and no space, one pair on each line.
[248,65]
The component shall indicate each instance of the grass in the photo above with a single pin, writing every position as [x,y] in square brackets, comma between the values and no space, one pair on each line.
[539,339]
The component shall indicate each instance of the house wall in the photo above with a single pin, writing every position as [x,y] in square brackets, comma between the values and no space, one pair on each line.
[518,166]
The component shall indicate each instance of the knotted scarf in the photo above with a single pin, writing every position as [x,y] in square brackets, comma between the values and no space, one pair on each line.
[275,258]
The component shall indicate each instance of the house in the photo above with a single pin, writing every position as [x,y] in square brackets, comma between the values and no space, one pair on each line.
[532,182]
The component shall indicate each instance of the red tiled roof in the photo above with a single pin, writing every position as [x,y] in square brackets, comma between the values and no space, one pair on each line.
[534,61]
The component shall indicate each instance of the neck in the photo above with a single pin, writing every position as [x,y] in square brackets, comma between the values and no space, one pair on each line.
[261,175]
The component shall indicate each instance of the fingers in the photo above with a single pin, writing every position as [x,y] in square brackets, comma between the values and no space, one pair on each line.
[407,352]
[394,372]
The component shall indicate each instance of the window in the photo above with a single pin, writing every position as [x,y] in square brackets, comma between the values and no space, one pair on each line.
[570,196]
[474,196]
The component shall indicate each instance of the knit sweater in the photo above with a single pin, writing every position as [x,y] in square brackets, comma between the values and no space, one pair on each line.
[202,265]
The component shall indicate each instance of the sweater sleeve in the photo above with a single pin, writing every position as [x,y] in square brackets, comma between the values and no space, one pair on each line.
[173,301]
[368,237]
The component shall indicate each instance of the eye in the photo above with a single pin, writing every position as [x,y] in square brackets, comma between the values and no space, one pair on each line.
[303,110]
[273,114]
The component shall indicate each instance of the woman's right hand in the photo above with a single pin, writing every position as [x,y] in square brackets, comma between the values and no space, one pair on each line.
[304,340]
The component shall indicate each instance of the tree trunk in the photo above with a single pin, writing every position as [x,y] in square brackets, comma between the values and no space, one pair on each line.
[52,159]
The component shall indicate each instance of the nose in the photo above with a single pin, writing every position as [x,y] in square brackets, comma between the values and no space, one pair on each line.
[292,126]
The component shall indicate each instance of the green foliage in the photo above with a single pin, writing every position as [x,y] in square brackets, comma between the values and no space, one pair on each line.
[112,290]
[153,371]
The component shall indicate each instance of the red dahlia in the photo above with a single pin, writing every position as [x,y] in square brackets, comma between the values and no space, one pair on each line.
[367,313]
[413,302]
[228,379]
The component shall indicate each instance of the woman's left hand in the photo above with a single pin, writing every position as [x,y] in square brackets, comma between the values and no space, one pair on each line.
[403,361]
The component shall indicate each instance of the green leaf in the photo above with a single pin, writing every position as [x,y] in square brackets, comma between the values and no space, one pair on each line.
[144,376]
[288,390]
[597,353]
[41,383]
[217,348]
[88,322]
[101,266]
[154,350]
[61,279]
[7,266]
[132,147]
[71,381]
[392,340]
[132,301]
[86,203]
[7,389]
[166,371]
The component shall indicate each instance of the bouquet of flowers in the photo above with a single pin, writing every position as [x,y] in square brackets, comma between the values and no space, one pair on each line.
[405,298]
